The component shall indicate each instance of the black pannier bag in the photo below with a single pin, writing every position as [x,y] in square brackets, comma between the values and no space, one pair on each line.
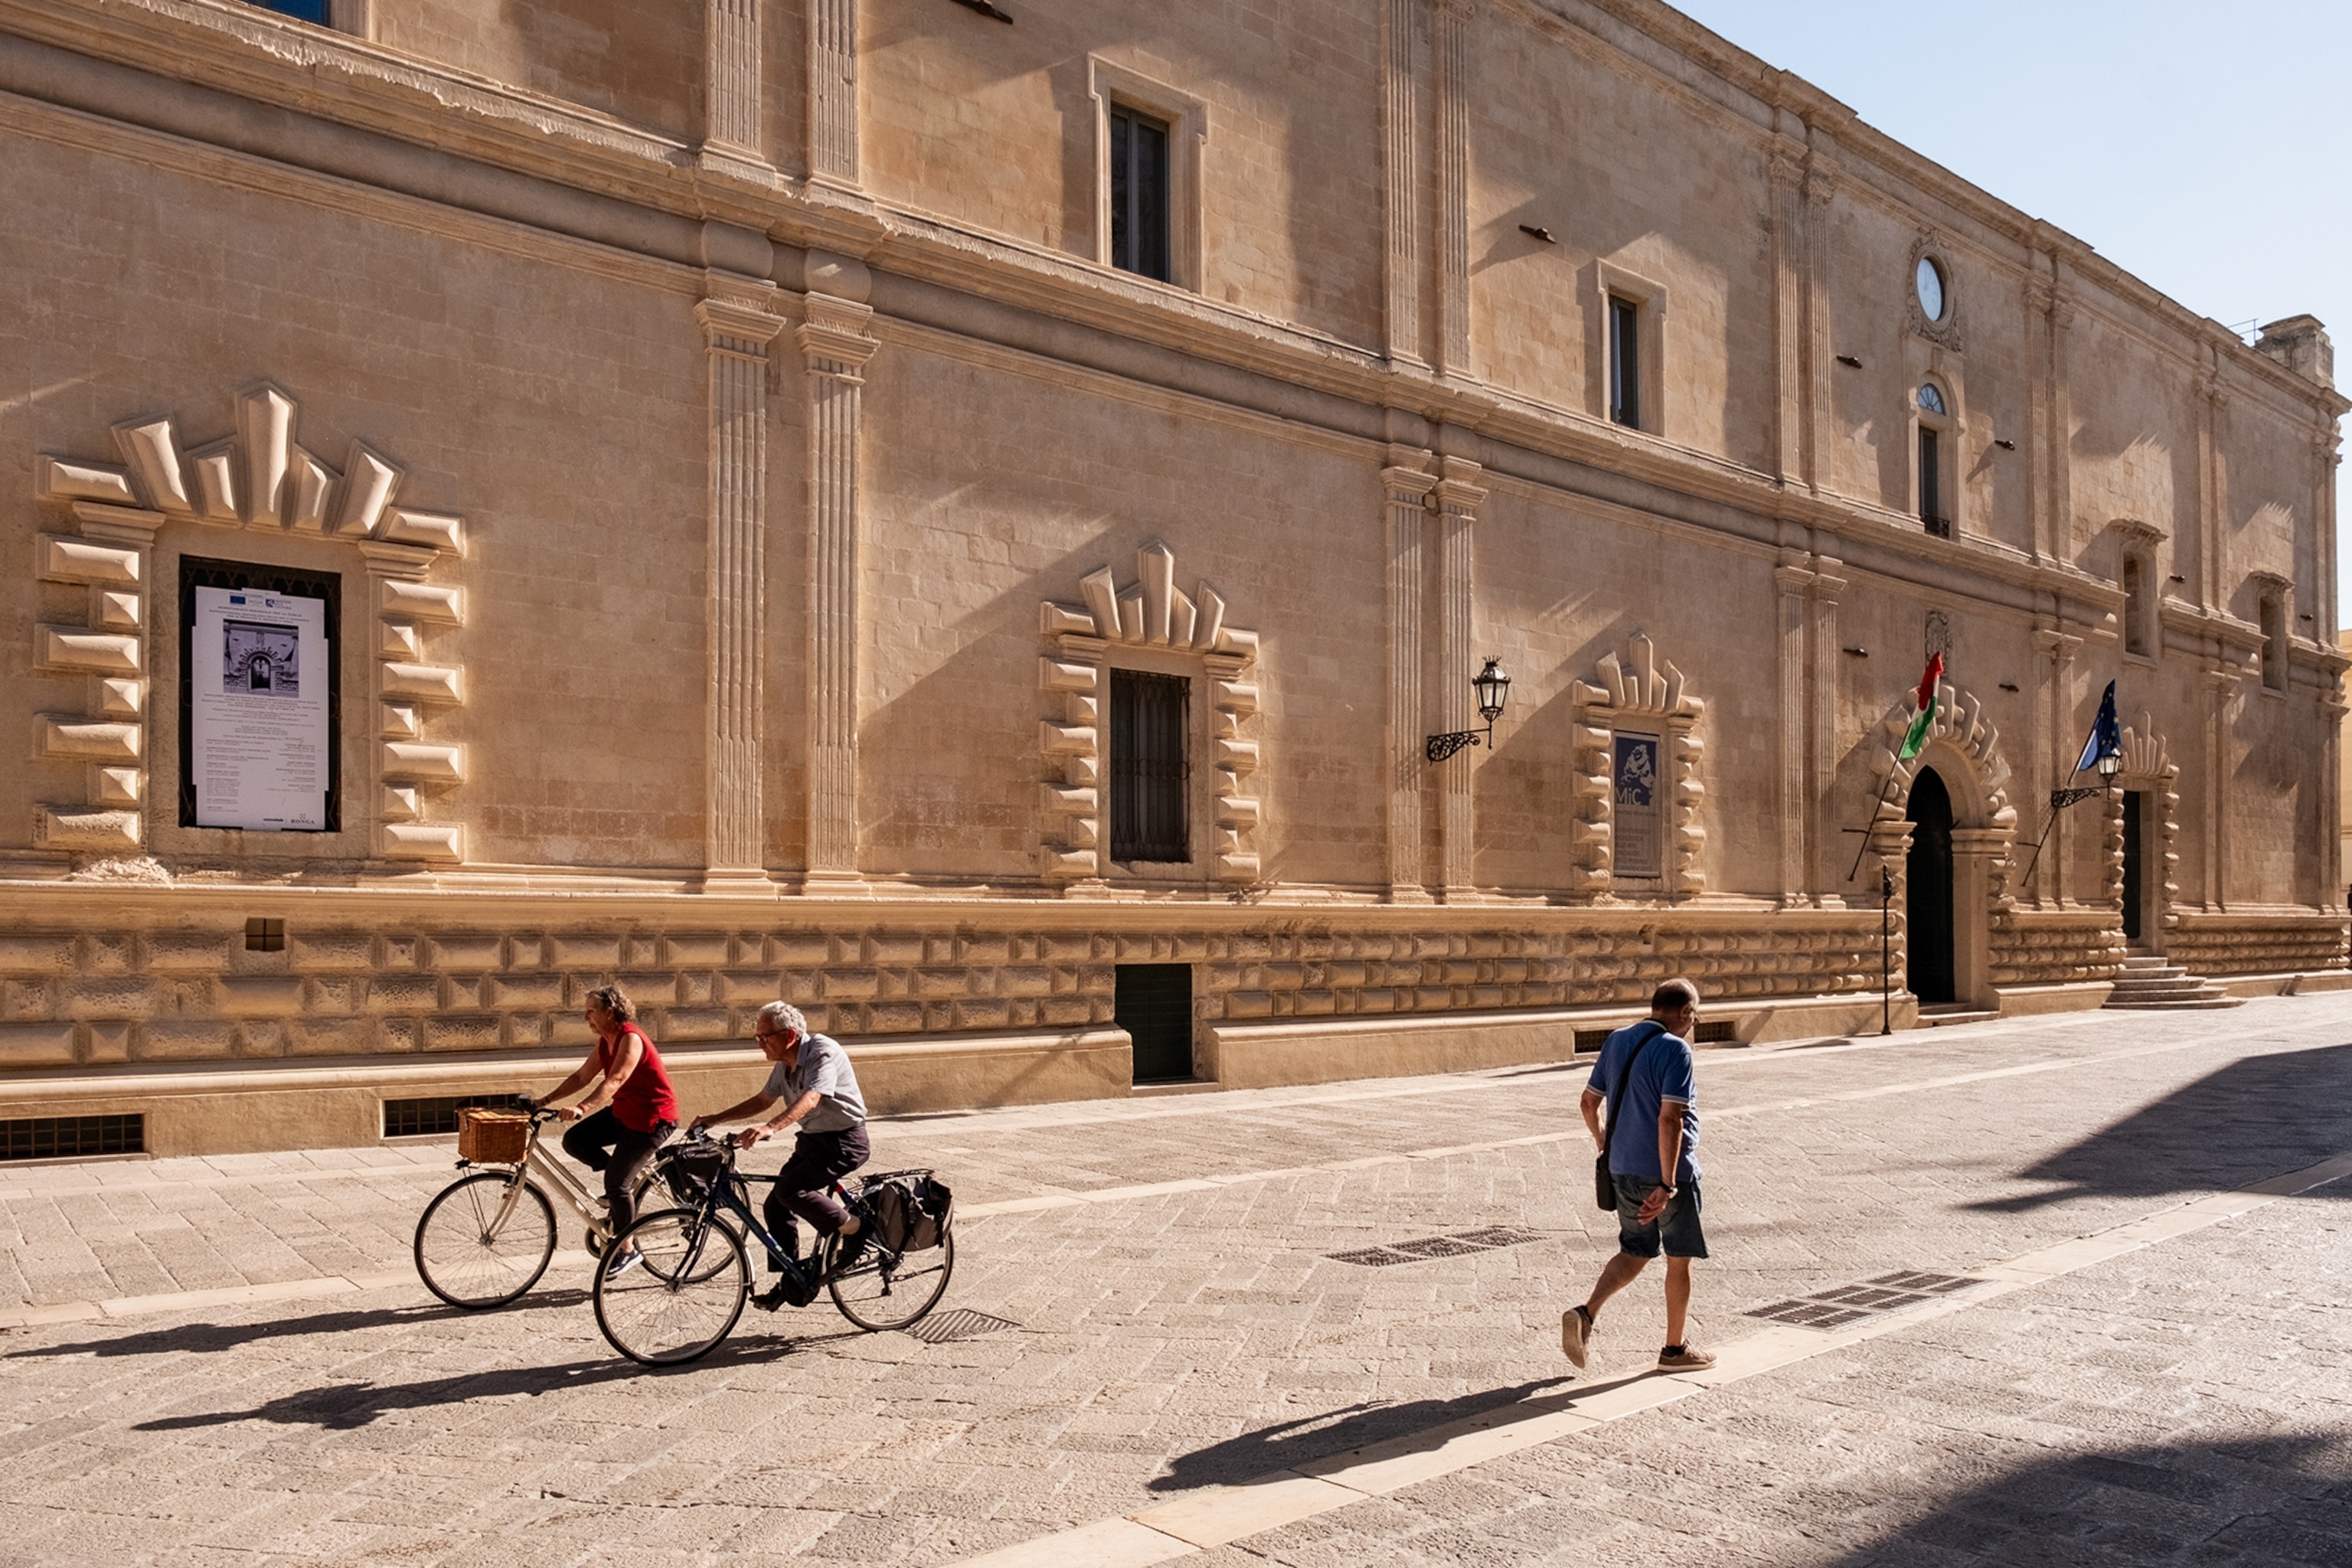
[911,1210]
[692,1170]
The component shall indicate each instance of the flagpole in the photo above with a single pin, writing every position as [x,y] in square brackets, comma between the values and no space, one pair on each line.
[1864,847]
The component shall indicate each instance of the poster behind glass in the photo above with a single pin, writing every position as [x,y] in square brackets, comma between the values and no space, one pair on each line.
[1635,760]
[259,722]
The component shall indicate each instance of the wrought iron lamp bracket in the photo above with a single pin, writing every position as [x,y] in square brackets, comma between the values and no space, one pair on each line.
[1443,746]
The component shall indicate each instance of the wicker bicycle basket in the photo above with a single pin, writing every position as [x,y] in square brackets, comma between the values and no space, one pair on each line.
[493,1137]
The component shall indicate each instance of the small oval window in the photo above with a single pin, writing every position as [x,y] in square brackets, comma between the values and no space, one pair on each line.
[1931,289]
[1931,398]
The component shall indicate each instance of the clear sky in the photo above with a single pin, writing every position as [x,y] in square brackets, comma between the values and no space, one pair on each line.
[2202,146]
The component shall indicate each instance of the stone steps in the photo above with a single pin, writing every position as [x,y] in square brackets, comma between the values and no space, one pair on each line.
[2149,984]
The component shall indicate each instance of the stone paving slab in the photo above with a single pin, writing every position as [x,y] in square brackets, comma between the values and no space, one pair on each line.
[1165,1343]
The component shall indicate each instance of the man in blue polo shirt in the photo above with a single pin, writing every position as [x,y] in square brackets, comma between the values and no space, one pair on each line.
[1645,1071]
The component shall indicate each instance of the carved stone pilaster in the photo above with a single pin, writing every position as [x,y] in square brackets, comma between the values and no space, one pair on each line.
[1793,583]
[1400,69]
[1821,354]
[836,340]
[2222,687]
[730,78]
[1822,737]
[1458,497]
[2052,700]
[1455,26]
[736,336]
[832,91]
[1786,177]
[1407,489]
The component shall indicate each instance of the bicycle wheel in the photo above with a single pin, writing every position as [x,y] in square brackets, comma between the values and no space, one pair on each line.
[484,1240]
[876,1295]
[678,1304]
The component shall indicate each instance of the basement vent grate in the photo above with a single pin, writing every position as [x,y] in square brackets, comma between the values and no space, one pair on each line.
[1720,1032]
[438,1118]
[72,1137]
[1459,1245]
[1852,1303]
[963,1323]
[1588,1041]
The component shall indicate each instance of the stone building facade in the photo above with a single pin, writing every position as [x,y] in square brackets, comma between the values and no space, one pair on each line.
[765,466]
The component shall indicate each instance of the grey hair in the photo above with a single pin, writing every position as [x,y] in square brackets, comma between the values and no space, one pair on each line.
[615,1001]
[784,1015]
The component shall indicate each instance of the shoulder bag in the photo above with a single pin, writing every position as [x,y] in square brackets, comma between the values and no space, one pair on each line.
[1604,1184]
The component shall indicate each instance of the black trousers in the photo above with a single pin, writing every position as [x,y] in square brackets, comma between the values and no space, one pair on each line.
[601,1143]
[818,1159]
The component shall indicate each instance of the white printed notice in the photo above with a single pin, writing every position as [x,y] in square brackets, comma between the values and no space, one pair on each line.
[259,728]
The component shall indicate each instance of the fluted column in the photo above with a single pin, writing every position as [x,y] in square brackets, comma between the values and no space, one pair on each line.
[1407,489]
[1455,19]
[837,340]
[2222,686]
[2048,757]
[737,337]
[730,76]
[1458,496]
[1821,354]
[1824,870]
[1787,176]
[833,90]
[1401,176]
[1795,668]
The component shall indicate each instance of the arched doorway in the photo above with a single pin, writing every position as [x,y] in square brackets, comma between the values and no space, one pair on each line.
[1927,892]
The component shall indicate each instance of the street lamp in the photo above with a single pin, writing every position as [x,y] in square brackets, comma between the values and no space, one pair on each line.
[1493,687]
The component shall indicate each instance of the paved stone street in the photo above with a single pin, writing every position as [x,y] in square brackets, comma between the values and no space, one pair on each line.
[230,1360]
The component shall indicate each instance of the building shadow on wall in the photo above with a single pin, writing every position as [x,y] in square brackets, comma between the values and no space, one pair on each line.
[2260,1500]
[2252,1119]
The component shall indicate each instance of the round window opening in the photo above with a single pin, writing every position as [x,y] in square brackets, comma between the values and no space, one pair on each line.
[1931,289]
[1931,399]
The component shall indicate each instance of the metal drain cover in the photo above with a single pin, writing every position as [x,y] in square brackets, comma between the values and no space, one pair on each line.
[963,1323]
[1461,1244]
[1846,1304]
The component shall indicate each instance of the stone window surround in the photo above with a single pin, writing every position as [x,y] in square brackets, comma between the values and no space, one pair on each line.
[2274,595]
[2137,541]
[1636,693]
[1648,298]
[258,482]
[1188,133]
[1944,333]
[1951,425]
[1151,627]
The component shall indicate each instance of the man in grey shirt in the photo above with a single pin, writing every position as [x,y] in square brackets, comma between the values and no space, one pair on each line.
[813,1080]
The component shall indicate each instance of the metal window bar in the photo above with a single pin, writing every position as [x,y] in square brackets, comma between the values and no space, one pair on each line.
[437,1117]
[1138,194]
[72,1137]
[1149,814]
[1624,361]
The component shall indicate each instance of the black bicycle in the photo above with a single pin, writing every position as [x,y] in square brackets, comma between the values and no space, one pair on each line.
[687,1289]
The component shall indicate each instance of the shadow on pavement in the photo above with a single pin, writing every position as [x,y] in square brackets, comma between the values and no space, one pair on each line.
[2255,1118]
[2259,1501]
[202,1339]
[1314,1437]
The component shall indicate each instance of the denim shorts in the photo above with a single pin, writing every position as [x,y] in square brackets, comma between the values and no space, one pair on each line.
[1677,1227]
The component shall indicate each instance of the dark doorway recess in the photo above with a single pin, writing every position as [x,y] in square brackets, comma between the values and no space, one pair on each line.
[1155,1008]
[2134,888]
[1927,892]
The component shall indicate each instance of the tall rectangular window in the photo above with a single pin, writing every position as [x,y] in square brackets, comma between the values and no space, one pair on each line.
[2274,643]
[2135,605]
[1149,814]
[1138,194]
[1931,483]
[1624,361]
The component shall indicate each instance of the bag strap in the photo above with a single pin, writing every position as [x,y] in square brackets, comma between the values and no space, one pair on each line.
[1617,1096]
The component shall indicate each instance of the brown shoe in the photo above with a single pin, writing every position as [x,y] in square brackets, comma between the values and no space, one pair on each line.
[1684,1358]
[1575,1334]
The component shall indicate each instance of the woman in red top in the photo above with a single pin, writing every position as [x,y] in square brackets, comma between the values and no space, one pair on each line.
[632,1111]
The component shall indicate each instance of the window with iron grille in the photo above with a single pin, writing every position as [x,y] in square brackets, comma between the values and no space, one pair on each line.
[72,1137]
[1138,194]
[438,1117]
[1149,814]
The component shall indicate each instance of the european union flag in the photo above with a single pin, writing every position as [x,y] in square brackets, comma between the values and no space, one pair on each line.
[2106,736]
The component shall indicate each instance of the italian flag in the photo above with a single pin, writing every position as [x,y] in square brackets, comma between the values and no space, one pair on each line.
[1930,686]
